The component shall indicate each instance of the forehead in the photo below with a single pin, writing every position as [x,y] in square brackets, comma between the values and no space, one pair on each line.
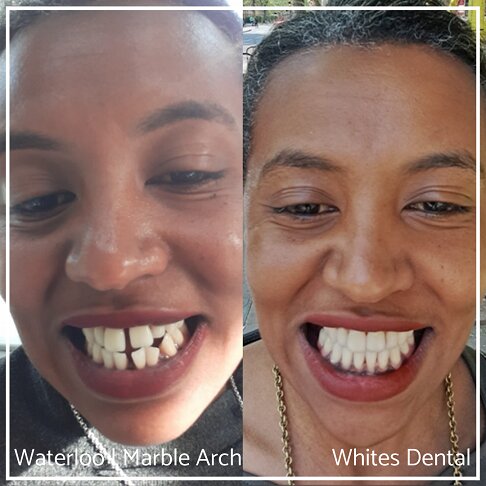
[366,104]
[119,59]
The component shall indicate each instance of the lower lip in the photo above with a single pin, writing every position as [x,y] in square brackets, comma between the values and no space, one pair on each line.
[363,388]
[138,384]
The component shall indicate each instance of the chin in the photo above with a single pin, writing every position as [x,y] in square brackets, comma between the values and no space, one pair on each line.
[140,435]
[143,424]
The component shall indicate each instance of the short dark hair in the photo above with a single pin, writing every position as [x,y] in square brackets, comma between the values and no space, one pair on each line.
[226,21]
[443,31]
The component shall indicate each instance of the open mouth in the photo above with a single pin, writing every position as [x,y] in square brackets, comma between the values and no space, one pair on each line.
[132,348]
[134,354]
[364,353]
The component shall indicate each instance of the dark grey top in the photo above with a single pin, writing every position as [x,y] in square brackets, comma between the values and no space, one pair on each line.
[469,357]
[41,420]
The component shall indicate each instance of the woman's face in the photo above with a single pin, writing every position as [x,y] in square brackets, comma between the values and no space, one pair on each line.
[126,203]
[361,191]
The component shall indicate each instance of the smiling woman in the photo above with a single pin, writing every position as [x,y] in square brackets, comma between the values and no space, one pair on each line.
[360,156]
[125,147]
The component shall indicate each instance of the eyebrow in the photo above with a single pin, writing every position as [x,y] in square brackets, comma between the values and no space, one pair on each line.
[31,140]
[186,110]
[458,160]
[299,159]
[294,158]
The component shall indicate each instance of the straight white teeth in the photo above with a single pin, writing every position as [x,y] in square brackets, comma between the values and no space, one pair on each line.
[140,346]
[365,352]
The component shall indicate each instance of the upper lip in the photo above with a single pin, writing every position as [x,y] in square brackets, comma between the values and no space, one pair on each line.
[126,318]
[365,324]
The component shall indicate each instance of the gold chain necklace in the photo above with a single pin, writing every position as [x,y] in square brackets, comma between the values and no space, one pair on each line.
[287,448]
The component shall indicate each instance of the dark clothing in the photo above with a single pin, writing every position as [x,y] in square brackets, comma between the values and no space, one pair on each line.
[41,420]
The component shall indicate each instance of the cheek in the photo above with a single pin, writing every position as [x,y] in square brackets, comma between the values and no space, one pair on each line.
[278,267]
[33,262]
[447,272]
[214,243]
[217,267]
[33,265]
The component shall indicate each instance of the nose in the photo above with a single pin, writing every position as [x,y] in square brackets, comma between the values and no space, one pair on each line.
[368,263]
[112,250]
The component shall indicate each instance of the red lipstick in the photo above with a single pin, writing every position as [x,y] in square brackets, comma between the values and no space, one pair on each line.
[138,384]
[133,384]
[362,387]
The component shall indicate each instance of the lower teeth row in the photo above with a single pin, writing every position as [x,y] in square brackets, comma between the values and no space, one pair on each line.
[362,352]
[172,341]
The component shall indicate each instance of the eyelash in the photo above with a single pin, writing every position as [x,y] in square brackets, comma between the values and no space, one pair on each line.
[43,207]
[306,211]
[438,209]
[432,209]
[186,181]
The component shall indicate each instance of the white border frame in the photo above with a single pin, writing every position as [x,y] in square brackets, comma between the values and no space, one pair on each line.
[478,259]
[227,478]
[36,479]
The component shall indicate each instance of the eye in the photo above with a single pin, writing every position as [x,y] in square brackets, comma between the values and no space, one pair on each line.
[438,208]
[186,180]
[306,210]
[42,207]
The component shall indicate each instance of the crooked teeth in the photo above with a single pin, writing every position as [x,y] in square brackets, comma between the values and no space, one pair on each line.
[114,339]
[120,360]
[151,356]
[141,336]
[157,331]
[97,354]
[176,335]
[99,335]
[167,346]
[139,358]
[108,346]
[108,360]
[369,352]
[89,334]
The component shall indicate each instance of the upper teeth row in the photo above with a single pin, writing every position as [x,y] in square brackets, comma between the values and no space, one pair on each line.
[140,336]
[359,341]
[107,346]
[365,351]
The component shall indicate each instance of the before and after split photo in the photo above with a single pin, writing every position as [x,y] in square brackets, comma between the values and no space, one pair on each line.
[241,242]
